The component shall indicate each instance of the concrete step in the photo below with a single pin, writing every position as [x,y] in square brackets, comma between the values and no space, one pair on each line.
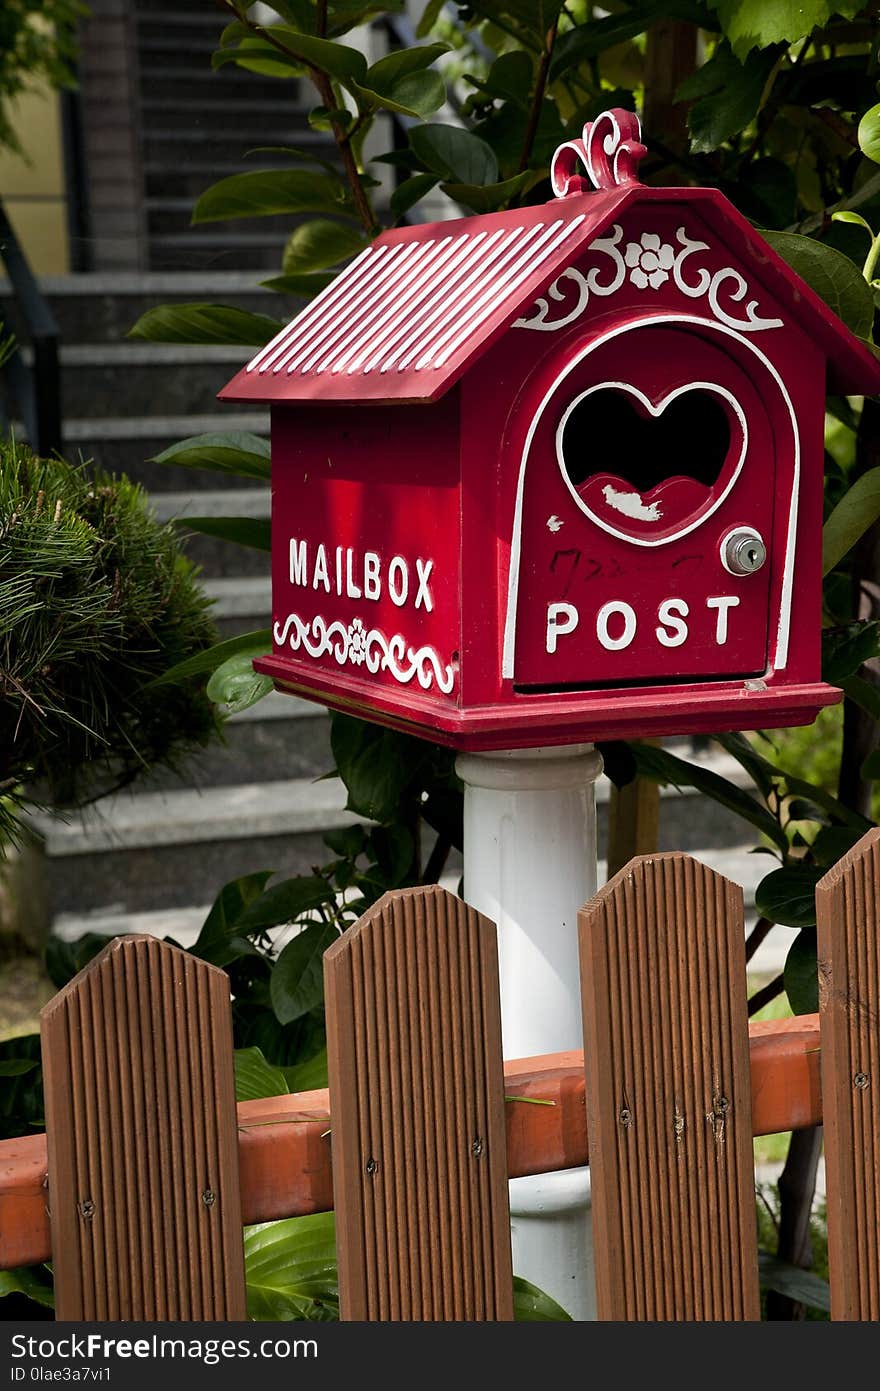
[174,147]
[260,251]
[163,852]
[101,307]
[241,605]
[231,82]
[100,379]
[169,849]
[184,924]
[128,444]
[218,558]
[189,178]
[279,736]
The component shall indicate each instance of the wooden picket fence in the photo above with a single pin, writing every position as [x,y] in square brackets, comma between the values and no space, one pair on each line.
[139,1189]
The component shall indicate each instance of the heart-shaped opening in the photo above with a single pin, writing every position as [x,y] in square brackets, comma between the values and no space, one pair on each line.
[649,466]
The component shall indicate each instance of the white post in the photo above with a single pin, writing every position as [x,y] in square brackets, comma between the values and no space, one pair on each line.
[530,854]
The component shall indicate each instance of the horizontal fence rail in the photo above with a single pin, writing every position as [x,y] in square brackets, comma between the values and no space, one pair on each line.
[284,1145]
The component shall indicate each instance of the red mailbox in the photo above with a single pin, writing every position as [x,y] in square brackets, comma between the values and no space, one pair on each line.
[555,474]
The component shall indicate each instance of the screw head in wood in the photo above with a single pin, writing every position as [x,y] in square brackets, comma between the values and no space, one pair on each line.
[208,1197]
[625,1116]
[86,1209]
[477,1148]
[860,1080]
[371,1165]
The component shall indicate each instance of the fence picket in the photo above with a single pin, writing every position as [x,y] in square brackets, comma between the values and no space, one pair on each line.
[848,942]
[667,1085]
[417,1100]
[144,1200]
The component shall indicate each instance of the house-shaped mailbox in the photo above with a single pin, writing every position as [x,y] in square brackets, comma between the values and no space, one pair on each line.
[555,473]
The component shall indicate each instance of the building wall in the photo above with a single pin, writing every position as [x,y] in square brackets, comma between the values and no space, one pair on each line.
[33,189]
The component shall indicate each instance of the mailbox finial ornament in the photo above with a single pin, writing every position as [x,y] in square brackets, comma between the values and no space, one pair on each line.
[610,150]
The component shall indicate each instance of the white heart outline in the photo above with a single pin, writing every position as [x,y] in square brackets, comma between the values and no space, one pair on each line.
[655,412]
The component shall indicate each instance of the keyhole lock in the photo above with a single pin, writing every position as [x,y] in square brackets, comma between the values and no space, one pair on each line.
[743,551]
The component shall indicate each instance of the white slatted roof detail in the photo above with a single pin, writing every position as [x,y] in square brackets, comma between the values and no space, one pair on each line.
[410,305]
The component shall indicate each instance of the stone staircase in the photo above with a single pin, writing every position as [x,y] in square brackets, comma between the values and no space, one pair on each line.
[154,858]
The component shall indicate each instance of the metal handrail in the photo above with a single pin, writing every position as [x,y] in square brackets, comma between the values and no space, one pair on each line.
[36,386]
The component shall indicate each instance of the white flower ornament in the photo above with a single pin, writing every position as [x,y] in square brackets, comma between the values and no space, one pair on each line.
[357,642]
[649,260]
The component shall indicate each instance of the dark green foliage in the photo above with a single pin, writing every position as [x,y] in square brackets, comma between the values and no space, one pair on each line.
[37,47]
[96,600]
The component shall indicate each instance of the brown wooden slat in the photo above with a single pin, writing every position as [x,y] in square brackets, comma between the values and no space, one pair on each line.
[142,1132]
[417,1090]
[848,939]
[667,1088]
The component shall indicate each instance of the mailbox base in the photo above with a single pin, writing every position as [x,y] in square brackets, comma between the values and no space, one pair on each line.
[524,721]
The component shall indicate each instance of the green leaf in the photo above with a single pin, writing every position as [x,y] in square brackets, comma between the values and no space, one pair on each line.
[218,931]
[430,15]
[256,55]
[290,1269]
[455,154]
[665,767]
[831,275]
[204,323]
[855,218]
[348,841]
[388,70]
[255,644]
[320,243]
[308,1076]
[410,191]
[788,895]
[33,1281]
[306,286]
[21,1096]
[244,531]
[858,509]
[751,24]
[262,192]
[221,924]
[64,960]
[743,750]
[236,686]
[238,452]
[285,903]
[324,55]
[864,694]
[804,1286]
[297,983]
[255,1077]
[16,1067]
[531,1305]
[845,649]
[487,198]
[832,842]
[800,974]
[869,134]
[729,95]
[586,41]
[378,766]
[419,94]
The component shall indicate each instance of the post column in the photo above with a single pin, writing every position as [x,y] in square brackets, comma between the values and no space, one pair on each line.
[530,855]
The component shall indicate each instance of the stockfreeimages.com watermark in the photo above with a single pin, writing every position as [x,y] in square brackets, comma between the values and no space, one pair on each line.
[30,1353]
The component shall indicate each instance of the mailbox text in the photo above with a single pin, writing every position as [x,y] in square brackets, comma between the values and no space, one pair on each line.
[617,622]
[344,571]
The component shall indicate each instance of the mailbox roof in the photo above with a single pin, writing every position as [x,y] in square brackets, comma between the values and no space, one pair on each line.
[405,319]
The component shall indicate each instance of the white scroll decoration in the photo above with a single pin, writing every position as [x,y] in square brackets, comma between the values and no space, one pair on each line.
[591,283]
[353,644]
[648,262]
[610,150]
[710,284]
